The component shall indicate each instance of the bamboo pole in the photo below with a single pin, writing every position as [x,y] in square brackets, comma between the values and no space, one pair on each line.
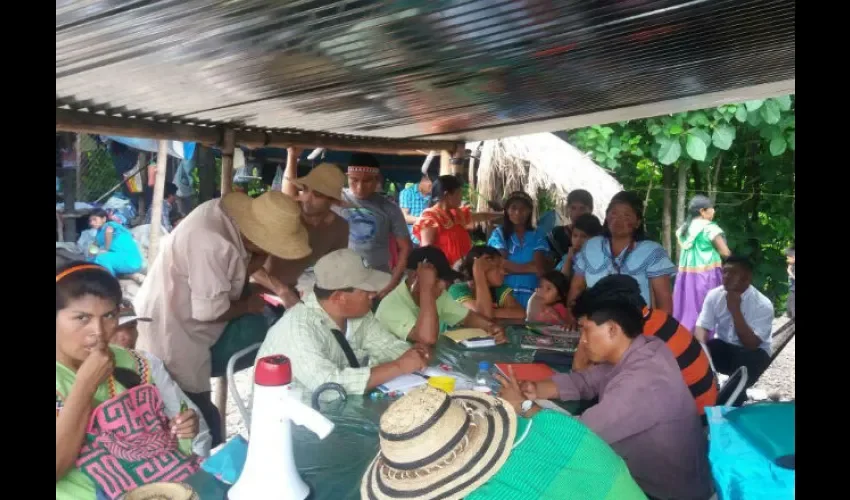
[445,163]
[227,164]
[158,197]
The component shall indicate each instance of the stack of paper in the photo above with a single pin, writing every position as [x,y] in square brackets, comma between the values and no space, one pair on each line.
[403,383]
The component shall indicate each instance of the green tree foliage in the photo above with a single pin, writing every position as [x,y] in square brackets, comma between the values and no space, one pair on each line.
[740,154]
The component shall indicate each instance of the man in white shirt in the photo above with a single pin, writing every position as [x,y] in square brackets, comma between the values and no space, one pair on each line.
[742,320]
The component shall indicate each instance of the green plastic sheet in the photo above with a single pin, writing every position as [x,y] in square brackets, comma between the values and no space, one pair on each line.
[334,466]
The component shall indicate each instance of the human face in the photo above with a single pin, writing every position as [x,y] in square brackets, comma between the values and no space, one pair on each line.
[453,199]
[126,335]
[707,213]
[96,222]
[425,186]
[599,340]
[496,273]
[81,325]
[548,292]
[314,202]
[736,278]
[518,213]
[355,304]
[362,185]
[576,210]
[578,238]
[622,220]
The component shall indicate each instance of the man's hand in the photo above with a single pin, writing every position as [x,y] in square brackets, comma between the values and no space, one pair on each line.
[412,360]
[733,301]
[426,276]
[289,297]
[425,350]
[511,391]
[545,389]
[497,332]
[254,304]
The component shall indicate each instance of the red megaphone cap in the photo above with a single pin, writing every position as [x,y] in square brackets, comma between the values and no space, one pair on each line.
[273,370]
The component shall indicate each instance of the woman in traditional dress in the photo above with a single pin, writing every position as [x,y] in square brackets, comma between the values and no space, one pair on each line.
[702,247]
[116,249]
[120,418]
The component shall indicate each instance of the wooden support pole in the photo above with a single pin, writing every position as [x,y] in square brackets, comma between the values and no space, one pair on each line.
[445,163]
[158,197]
[227,165]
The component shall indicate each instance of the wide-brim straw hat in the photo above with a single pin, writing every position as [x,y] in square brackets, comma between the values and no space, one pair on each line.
[434,445]
[163,491]
[326,179]
[272,221]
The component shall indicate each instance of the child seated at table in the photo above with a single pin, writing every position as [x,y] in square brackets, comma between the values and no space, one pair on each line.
[585,227]
[484,290]
[548,304]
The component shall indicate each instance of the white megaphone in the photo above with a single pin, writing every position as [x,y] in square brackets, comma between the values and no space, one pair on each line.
[269,472]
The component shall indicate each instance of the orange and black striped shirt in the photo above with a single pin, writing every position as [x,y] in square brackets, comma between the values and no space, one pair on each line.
[696,369]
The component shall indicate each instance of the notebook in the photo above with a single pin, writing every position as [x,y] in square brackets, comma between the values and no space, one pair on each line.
[462,334]
[533,372]
[546,342]
[403,383]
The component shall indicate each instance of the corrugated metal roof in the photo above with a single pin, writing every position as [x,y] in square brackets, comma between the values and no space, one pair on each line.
[409,68]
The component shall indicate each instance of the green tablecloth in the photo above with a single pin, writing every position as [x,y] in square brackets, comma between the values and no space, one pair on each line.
[333,467]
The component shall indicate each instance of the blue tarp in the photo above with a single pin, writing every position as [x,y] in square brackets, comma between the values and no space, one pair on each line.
[177,149]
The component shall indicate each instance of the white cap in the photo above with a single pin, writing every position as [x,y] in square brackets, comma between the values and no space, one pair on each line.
[345,269]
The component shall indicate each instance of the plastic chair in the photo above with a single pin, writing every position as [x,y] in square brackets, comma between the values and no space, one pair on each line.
[231,382]
[728,394]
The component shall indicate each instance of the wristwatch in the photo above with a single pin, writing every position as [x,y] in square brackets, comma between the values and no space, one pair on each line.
[525,407]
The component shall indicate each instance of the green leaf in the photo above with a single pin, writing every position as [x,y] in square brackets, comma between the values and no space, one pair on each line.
[791,140]
[769,132]
[778,146]
[741,114]
[723,136]
[655,129]
[702,134]
[612,164]
[784,102]
[698,119]
[599,158]
[770,112]
[675,129]
[696,146]
[613,152]
[754,118]
[669,152]
[754,105]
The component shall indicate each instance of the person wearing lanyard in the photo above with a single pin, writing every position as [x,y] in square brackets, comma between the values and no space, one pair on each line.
[623,249]
[522,247]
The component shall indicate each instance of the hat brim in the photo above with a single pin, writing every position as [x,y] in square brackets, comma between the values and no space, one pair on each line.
[129,319]
[306,181]
[289,247]
[490,442]
[375,281]
[179,491]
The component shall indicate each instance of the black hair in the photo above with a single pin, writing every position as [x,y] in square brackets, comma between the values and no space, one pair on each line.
[324,294]
[588,224]
[580,196]
[174,216]
[508,226]
[601,311]
[560,282]
[363,160]
[474,253]
[99,212]
[631,199]
[170,189]
[739,260]
[697,204]
[75,284]
[445,184]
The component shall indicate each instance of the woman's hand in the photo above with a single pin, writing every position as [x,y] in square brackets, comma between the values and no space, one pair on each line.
[185,425]
[545,389]
[498,333]
[511,391]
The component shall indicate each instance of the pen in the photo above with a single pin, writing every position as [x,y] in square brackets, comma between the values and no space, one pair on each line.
[184,444]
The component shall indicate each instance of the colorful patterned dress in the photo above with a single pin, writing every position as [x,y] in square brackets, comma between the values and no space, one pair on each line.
[452,237]
[699,270]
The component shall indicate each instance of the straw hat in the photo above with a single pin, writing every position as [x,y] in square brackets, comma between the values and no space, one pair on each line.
[272,221]
[163,491]
[326,179]
[438,446]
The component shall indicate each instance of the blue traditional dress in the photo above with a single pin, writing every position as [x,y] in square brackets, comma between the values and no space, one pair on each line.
[520,251]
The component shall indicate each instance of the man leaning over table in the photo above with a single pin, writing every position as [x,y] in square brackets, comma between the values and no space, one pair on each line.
[414,310]
[332,336]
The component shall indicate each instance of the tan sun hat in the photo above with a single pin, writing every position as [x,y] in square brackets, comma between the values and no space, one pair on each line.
[272,221]
[163,491]
[345,268]
[438,446]
[326,178]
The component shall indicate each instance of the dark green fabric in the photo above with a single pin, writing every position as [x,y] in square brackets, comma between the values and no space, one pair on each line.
[238,334]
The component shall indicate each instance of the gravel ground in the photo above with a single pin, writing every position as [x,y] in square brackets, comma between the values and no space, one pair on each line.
[777,381]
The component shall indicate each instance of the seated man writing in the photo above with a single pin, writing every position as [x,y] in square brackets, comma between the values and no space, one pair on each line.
[414,309]
[742,320]
[332,336]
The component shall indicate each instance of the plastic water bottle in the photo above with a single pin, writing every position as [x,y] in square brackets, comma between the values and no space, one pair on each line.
[484,380]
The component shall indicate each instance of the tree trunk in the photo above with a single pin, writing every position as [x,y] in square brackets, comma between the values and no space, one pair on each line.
[712,185]
[697,178]
[667,209]
[681,200]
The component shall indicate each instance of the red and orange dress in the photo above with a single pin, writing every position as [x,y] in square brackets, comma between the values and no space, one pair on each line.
[452,236]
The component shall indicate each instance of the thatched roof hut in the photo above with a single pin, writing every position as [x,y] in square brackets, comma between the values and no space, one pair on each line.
[540,162]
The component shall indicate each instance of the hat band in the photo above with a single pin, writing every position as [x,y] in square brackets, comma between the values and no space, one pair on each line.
[422,462]
[363,170]
[444,407]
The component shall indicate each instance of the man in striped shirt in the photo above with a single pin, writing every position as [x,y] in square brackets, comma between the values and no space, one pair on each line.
[690,356]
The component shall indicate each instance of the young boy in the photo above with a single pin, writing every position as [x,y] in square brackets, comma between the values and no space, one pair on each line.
[585,227]
[127,333]
[579,202]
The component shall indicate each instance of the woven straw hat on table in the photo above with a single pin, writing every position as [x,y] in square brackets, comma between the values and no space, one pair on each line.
[163,491]
[438,446]
[272,221]
[326,179]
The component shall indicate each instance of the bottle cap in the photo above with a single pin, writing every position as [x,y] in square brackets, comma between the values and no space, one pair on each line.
[483,365]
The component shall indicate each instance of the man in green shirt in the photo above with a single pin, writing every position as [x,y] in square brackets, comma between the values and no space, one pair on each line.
[414,309]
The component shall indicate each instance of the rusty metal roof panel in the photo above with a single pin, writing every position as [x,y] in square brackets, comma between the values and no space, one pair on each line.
[409,68]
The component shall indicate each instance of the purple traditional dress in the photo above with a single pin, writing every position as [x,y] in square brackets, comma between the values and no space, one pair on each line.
[699,270]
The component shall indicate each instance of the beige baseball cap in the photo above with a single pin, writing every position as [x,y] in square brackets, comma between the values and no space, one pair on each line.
[326,178]
[346,269]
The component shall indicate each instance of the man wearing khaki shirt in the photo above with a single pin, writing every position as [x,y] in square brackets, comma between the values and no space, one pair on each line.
[332,336]
[195,285]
